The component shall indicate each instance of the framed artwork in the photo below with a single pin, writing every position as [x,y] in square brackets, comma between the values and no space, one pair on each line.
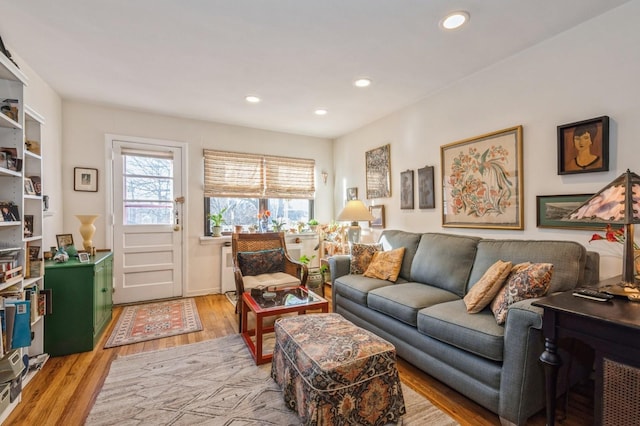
[426,197]
[28,225]
[550,209]
[28,187]
[34,252]
[583,147]
[37,184]
[352,193]
[378,216]
[9,212]
[378,170]
[83,257]
[482,181]
[64,240]
[85,179]
[406,190]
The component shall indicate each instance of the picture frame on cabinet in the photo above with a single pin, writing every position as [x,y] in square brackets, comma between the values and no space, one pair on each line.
[482,181]
[378,216]
[64,240]
[83,257]
[85,179]
[28,187]
[583,146]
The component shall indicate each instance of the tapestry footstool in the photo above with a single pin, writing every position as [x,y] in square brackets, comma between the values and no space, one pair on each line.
[335,373]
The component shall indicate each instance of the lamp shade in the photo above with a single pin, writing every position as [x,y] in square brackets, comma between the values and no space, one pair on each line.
[355,211]
[617,203]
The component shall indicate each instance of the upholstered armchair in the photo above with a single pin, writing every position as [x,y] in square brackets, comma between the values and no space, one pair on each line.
[261,259]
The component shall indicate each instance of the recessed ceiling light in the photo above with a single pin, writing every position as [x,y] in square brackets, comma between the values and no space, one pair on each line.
[362,82]
[454,20]
[321,111]
[252,99]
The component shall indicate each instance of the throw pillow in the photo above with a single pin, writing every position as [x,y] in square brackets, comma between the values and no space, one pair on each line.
[386,265]
[524,282]
[361,255]
[483,292]
[254,263]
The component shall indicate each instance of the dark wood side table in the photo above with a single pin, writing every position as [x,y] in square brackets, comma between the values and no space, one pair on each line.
[611,328]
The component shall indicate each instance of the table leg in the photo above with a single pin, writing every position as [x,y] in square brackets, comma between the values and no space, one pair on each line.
[552,363]
[258,339]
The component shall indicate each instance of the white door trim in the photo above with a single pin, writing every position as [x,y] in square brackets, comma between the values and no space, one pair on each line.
[109,140]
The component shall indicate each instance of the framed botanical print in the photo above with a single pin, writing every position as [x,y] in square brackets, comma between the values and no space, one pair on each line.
[482,181]
[378,170]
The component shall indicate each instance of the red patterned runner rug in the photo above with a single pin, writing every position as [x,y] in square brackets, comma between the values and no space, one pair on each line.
[139,323]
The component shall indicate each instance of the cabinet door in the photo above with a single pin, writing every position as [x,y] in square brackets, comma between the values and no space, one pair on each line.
[102,296]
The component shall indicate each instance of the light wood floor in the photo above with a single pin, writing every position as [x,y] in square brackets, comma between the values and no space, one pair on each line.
[65,390]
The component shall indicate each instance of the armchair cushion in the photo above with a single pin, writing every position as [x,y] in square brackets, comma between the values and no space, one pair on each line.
[253,263]
[277,279]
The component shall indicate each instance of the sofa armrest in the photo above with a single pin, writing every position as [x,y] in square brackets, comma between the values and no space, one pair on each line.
[339,265]
[522,374]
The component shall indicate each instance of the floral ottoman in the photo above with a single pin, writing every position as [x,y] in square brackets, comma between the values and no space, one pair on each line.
[335,373]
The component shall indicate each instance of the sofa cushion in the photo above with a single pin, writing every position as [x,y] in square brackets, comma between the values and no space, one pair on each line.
[356,287]
[451,323]
[403,301]
[445,261]
[525,282]
[361,255]
[261,262]
[568,257]
[483,292]
[393,239]
[385,265]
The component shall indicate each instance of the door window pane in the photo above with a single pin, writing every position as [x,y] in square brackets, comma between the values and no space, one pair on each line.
[148,190]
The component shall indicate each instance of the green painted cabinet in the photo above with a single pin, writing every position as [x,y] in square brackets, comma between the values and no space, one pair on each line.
[82,301]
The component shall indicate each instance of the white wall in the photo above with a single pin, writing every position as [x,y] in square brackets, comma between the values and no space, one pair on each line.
[84,128]
[586,72]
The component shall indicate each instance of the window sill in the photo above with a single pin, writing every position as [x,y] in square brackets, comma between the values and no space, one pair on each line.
[206,241]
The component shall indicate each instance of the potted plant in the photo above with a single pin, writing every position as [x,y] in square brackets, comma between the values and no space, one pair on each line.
[217,220]
[313,225]
[315,278]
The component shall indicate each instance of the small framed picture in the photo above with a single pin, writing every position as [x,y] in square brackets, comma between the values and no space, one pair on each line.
[28,225]
[583,147]
[64,240]
[28,187]
[34,252]
[352,193]
[9,212]
[85,179]
[426,188]
[378,216]
[83,257]
[406,190]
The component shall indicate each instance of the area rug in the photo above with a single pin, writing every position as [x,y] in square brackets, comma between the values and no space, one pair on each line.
[214,382]
[139,323]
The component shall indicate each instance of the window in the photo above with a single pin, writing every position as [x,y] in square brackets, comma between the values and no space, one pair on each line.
[249,184]
[148,188]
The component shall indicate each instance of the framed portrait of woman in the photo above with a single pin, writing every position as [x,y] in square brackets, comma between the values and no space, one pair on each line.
[583,146]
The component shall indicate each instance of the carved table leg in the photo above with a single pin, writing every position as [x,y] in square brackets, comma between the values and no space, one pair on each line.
[552,363]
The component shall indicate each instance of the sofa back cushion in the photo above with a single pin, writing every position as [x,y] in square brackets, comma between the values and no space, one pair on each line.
[568,259]
[393,239]
[445,261]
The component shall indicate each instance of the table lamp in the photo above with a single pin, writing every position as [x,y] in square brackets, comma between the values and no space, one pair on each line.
[354,211]
[618,203]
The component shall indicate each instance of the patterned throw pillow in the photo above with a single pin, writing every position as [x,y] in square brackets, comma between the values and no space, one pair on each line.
[483,292]
[386,265]
[361,255]
[524,282]
[254,263]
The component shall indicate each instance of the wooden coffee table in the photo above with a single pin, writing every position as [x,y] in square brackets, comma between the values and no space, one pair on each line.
[292,299]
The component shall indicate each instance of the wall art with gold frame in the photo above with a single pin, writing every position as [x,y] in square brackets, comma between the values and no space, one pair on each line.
[482,181]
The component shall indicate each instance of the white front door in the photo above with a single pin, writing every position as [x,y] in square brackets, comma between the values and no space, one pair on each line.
[147,211]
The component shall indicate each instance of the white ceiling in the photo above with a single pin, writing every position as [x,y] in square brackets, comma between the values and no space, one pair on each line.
[199,58]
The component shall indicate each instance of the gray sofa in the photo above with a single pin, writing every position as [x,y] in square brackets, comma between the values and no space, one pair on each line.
[424,316]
